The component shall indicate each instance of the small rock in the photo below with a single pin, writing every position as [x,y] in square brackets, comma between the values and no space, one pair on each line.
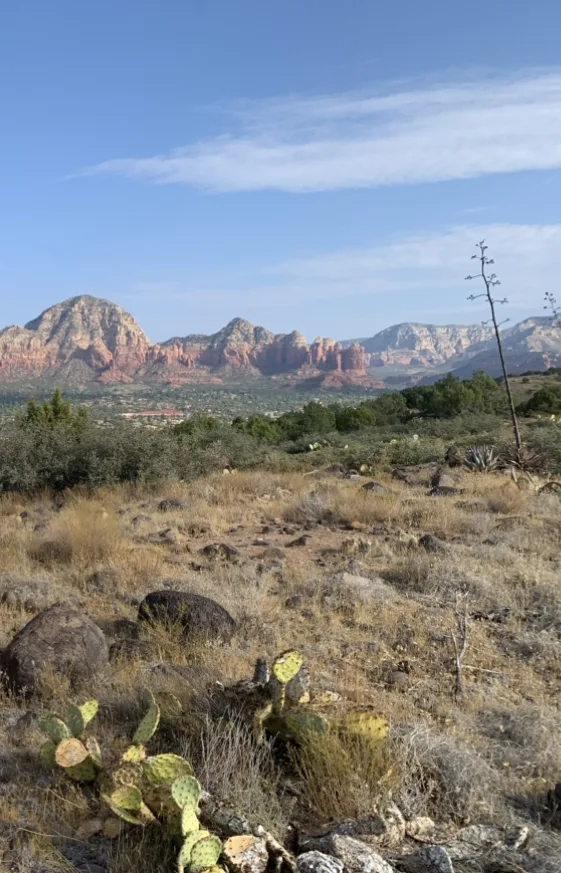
[352,474]
[398,677]
[301,541]
[10,598]
[170,505]
[443,491]
[293,602]
[375,487]
[273,553]
[431,543]
[221,551]
[442,480]
[422,826]
[431,859]
[318,862]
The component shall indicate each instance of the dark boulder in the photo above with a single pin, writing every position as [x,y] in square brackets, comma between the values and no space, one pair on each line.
[59,641]
[198,616]
[431,543]
[375,487]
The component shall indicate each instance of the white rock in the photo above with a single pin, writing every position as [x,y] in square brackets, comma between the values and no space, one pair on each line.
[318,862]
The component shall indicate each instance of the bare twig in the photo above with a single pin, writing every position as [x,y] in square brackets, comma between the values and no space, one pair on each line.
[461,641]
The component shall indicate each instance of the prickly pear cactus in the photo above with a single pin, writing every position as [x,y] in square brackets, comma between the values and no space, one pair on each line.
[365,725]
[165,769]
[186,792]
[79,717]
[149,724]
[54,727]
[205,853]
[287,666]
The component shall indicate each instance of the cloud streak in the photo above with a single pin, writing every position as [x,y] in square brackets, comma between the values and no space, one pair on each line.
[527,259]
[443,132]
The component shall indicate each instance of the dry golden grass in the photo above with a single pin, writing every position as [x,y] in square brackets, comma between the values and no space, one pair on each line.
[387,644]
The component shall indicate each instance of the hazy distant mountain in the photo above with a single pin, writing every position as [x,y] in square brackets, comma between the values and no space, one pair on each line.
[85,339]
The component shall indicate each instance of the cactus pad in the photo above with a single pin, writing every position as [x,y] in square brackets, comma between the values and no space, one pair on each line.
[149,724]
[205,853]
[186,792]
[84,772]
[189,821]
[93,748]
[78,717]
[54,727]
[287,666]
[299,724]
[188,843]
[128,797]
[165,769]
[365,725]
[47,754]
[70,753]
[134,755]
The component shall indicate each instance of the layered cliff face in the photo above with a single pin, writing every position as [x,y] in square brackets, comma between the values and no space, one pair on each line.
[425,345]
[85,339]
[96,333]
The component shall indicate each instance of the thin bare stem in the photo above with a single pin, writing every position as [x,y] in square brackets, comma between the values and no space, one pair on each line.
[461,641]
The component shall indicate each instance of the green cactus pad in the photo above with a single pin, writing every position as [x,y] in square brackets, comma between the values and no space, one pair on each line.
[125,814]
[54,727]
[47,754]
[287,666]
[84,772]
[186,792]
[365,725]
[93,748]
[165,769]
[190,840]
[189,821]
[134,755]
[205,853]
[299,724]
[71,753]
[128,797]
[78,717]
[149,724]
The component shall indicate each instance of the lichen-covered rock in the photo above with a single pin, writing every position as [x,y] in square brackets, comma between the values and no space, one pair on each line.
[355,856]
[59,641]
[318,862]
[198,616]
[431,859]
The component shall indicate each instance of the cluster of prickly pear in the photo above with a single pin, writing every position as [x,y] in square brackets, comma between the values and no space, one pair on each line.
[79,756]
[286,715]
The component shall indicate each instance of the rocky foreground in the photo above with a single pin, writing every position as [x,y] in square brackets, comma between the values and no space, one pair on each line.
[425,607]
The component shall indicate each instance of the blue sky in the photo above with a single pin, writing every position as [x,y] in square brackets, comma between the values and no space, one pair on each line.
[311,164]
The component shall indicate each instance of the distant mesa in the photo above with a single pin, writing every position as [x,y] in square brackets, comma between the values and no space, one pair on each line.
[87,340]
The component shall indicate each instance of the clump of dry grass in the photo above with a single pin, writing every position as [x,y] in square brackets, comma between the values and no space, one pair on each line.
[507,500]
[344,777]
[85,535]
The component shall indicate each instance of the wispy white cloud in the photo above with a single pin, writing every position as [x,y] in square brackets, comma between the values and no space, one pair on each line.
[527,259]
[358,140]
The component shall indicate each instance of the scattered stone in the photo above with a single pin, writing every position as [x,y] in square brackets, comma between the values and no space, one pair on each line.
[294,602]
[301,541]
[169,535]
[318,862]
[375,487]
[453,456]
[431,859]
[272,553]
[420,827]
[105,580]
[170,505]
[431,543]
[442,480]
[261,542]
[246,854]
[444,491]
[59,640]
[352,474]
[220,551]
[198,616]
[10,598]
[355,856]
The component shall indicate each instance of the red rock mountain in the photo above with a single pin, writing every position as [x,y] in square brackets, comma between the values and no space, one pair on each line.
[86,339]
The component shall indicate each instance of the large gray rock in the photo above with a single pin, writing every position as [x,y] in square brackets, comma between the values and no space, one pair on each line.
[355,856]
[59,641]
[317,862]
[197,616]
